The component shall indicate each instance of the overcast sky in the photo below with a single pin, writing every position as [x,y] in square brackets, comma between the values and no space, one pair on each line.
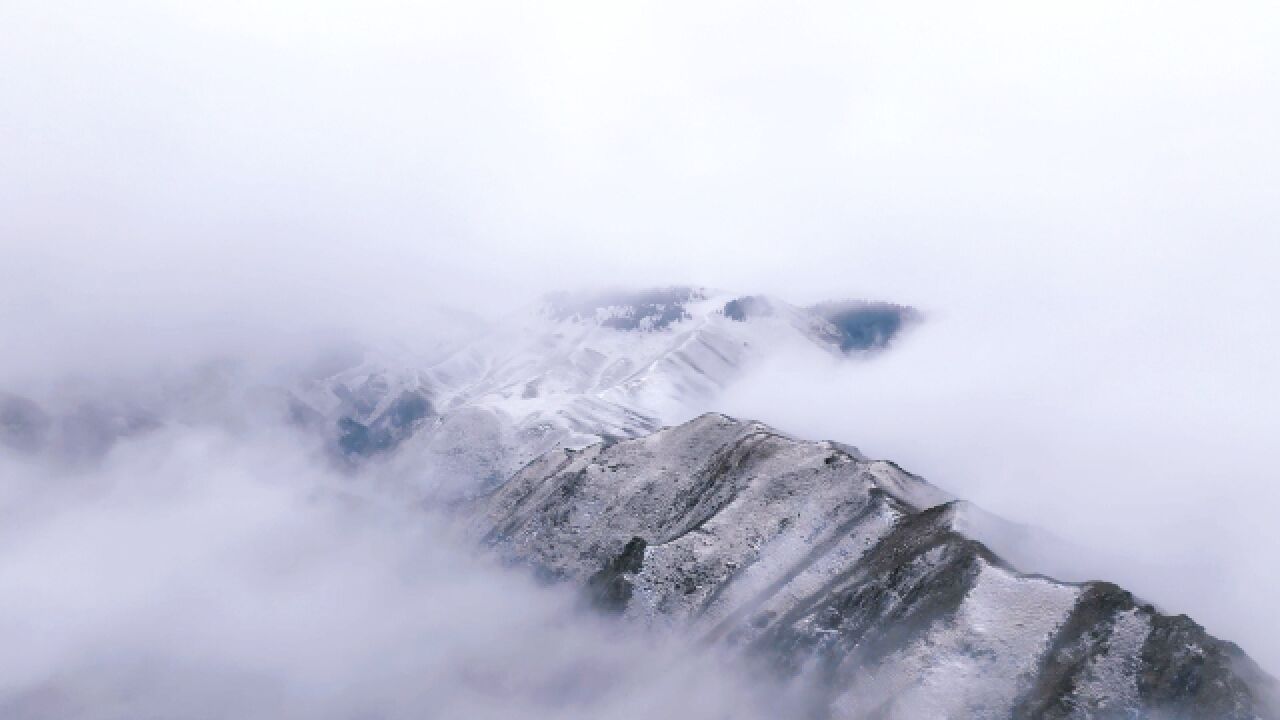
[1083,198]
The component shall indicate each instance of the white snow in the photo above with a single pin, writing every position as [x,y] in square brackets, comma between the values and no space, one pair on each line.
[975,666]
[1110,683]
[534,381]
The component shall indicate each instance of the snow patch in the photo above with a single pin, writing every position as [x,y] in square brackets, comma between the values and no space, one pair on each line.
[975,665]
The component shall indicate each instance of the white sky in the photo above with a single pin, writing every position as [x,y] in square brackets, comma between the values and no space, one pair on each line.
[1084,197]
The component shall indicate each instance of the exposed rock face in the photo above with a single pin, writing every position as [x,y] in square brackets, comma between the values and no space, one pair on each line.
[385,430]
[610,588]
[862,325]
[838,571]
[747,306]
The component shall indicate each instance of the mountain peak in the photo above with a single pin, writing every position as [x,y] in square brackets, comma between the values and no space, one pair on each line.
[651,309]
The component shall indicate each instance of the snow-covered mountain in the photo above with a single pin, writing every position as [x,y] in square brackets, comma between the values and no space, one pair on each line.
[846,574]
[574,436]
[570,371]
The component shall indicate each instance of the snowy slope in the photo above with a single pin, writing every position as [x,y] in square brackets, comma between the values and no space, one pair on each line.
[570,371]
[824,563]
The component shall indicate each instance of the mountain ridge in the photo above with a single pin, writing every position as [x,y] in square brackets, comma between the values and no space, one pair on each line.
[549,433]
[797,550]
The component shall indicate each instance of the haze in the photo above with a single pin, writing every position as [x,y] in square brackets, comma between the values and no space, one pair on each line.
[1083,200]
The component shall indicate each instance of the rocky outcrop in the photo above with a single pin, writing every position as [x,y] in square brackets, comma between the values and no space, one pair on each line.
[370,433]
[859,326]
[839,572]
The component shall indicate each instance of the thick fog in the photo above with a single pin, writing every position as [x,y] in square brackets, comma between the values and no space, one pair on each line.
[206,573]
[1082,199]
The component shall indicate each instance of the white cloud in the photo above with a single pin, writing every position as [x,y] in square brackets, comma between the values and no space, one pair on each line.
[199,573]
[1083,197]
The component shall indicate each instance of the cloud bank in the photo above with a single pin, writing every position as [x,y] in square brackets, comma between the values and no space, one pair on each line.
[203,573]
[1082,199]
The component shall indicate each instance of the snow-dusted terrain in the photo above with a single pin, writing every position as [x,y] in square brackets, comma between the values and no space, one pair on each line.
[570,371]
[574,437]
[564,372]
[823,561]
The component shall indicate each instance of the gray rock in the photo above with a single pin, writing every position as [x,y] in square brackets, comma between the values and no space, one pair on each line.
[836,571]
